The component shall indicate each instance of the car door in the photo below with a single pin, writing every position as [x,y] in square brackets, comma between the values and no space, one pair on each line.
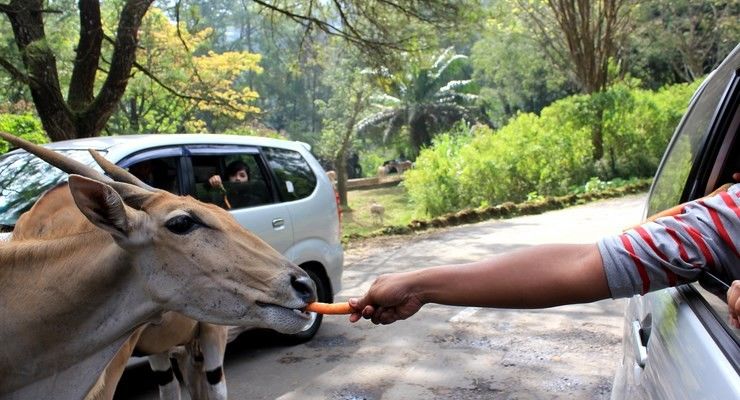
[677,343]
[254,203]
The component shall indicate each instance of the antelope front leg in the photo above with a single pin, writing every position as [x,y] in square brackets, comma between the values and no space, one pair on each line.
[213,344]
[201,363]
[169,387]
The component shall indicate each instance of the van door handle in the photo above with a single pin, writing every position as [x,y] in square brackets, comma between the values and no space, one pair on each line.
[639,341]
[278,223]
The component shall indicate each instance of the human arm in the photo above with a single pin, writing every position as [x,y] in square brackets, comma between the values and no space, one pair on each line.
[533,277]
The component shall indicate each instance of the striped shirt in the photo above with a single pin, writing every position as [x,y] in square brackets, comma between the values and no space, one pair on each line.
[674,250]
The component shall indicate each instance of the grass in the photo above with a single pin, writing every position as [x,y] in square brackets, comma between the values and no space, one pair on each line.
[359,221]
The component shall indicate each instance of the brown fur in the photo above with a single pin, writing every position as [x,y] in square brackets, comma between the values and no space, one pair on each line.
[54,215]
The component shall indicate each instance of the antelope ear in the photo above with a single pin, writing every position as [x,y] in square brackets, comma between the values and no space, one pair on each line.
[101,205]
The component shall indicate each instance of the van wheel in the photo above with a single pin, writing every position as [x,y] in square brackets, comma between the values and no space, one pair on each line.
[324,295]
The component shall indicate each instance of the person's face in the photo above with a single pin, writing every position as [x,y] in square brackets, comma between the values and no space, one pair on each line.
[240,176]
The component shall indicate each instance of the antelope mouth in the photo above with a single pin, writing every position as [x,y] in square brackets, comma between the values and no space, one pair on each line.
[300,312]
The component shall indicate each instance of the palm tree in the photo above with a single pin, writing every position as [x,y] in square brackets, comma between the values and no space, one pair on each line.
[425,100]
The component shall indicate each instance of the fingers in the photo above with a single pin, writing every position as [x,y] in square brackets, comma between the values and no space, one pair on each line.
[376,315]
[385,316]
[215,181]
[383,302]
[361,309]
[733,303]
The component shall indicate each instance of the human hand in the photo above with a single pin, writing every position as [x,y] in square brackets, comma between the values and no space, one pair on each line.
[390,298]
[733,303]
[215,181]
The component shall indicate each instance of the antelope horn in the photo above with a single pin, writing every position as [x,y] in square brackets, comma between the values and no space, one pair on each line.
[119,174]
[66,164]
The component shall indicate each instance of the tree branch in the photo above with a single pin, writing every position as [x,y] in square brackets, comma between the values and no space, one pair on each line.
[181,95]
[14,72]
[88,49]
[149,74]
[184,44]
[124,56]
[8,9]
[349,30]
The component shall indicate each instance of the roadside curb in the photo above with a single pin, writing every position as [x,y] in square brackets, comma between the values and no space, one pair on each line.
[503,211]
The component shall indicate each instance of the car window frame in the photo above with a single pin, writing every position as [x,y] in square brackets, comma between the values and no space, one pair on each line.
[278,181]
[154,153]
[709,170]
[706,174]
[229,149]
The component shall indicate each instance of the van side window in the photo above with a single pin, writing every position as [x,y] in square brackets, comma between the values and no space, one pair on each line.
[296,179]
[160,173]
[242,183]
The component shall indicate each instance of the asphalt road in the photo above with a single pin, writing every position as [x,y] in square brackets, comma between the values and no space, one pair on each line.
[443,352]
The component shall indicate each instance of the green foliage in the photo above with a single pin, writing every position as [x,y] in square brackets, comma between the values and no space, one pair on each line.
[637,125]
[434,181]
[511,69]
[370,160]
[426,97]
[208,95]
[25,126]
[549,154]
[680,40]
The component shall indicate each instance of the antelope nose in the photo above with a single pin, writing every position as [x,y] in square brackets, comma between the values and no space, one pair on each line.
[304,287]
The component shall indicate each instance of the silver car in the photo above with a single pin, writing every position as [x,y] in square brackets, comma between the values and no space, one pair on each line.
[677,342]
[287,200]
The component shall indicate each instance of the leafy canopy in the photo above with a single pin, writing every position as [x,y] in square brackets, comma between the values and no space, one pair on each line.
[423,99]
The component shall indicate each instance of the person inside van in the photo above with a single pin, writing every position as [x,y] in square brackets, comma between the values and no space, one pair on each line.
[239,191]
[237,172]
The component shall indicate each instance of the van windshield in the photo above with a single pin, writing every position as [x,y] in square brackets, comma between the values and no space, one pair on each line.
[24,177]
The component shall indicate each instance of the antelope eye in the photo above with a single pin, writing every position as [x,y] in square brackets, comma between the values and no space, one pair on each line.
[182,224]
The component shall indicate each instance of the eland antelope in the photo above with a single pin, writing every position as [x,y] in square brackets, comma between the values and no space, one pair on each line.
[198,346]
[69,303]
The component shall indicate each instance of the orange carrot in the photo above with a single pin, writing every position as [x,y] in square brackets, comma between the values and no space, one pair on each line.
[330,308]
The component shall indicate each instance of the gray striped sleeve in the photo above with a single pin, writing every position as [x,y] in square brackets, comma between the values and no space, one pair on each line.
[676,250]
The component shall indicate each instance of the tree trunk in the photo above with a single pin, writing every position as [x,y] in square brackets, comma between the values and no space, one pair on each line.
[587,36]
[92,120]
[26,19]
[81,115]
[340,161]
[597,136]
[82,84]
[419,132]
[133,116]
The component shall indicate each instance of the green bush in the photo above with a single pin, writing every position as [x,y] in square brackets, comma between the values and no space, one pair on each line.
[370,160]
[26,126]
[637,125]
[434,181]
[549,154]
